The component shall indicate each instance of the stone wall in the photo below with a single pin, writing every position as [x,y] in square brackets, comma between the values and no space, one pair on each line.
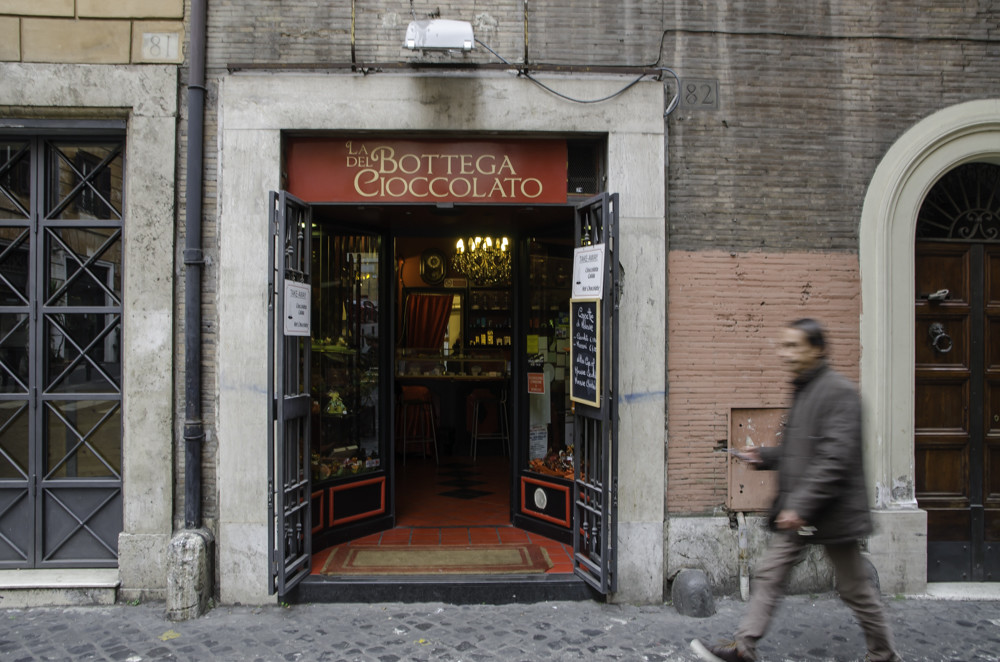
[92,31]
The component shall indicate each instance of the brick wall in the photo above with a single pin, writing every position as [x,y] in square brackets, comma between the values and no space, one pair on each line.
[92,31]
[725,314]
[803,122]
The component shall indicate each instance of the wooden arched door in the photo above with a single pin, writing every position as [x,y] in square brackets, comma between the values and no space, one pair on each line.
[957,374]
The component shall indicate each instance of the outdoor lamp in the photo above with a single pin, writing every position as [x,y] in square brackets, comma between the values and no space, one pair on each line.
[439,35]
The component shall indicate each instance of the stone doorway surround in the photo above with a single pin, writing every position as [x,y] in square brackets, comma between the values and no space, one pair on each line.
[950,137]
[255,108]
[146,97]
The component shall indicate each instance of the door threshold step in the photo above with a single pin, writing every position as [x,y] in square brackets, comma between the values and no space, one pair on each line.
[454,589]
[963,590]
[58,587]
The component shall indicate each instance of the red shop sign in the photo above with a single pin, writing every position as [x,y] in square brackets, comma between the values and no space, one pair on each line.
[375,170]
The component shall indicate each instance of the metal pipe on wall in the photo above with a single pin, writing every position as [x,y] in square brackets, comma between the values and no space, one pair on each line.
[194,260]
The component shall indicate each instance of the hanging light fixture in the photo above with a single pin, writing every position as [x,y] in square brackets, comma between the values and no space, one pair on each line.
[485,260]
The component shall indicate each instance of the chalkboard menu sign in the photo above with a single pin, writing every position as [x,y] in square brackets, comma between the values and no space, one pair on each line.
[585,351]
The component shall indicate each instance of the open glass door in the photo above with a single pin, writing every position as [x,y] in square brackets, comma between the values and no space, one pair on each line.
[350,399]
[593,384]
[288,377]
[543,496]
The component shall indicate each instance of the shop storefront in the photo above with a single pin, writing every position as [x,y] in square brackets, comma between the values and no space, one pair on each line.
[422,279]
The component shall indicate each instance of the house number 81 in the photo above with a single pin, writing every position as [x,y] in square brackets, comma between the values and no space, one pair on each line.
[160,46]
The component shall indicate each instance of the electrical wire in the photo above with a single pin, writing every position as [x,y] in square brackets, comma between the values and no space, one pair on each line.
[569,98]
[498,56]
[524,72]
[672,106]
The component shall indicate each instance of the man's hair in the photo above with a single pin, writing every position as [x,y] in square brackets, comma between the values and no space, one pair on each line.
[813,330]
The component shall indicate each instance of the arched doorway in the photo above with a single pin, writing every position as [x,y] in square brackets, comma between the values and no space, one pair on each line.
[950,137]
[957,373]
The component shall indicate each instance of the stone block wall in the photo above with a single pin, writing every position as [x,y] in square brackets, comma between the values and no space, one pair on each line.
[92,31]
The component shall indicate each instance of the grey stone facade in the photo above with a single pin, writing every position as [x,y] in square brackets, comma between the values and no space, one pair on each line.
[812,97]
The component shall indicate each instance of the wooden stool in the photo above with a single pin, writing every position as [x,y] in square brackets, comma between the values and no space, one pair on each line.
[416,415]
[481,398]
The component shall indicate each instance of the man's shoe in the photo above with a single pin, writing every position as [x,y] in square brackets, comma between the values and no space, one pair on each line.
[717,653]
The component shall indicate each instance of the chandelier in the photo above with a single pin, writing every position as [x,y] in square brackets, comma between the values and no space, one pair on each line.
[485,260]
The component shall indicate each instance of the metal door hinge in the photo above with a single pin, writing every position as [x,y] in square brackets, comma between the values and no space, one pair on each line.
[619,285]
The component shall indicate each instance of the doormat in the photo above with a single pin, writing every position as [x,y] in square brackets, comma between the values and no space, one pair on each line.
[437,560]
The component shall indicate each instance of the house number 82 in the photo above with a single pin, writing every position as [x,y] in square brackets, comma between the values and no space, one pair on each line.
[700,94]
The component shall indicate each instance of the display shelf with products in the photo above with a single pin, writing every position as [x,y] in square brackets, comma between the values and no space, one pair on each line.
[488,319]
[548,300]
[469,365]
[550,451]
[344,402]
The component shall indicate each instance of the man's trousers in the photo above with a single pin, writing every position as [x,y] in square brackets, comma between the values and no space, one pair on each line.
[853,584]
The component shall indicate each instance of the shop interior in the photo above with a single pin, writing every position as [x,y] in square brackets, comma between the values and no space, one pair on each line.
[444,385]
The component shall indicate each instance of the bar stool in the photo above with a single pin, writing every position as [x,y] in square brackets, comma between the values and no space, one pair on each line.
[416,415]
[481,399]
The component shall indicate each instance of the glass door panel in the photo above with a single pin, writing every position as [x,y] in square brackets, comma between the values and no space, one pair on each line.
[84,439]
[14,329]
[85,180]
[347,411]
[15,243]
[546,472]
[15,178]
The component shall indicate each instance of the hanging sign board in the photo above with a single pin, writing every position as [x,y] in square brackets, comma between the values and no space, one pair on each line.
[379,170]
[588,272]
[585,351]
[298,298]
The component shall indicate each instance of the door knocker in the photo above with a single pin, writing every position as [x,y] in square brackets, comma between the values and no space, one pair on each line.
[940,340]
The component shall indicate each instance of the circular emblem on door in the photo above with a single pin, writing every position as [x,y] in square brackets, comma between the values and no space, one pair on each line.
[432,266]
[541,499]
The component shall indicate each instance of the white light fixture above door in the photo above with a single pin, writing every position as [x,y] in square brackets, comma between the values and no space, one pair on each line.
[439,35]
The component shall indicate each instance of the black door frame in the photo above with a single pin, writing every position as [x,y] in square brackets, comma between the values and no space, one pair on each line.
[391,231]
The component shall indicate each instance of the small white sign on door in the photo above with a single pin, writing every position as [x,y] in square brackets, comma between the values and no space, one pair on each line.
[298,297]
[588,272]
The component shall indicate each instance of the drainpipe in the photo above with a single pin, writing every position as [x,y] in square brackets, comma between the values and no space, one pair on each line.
[194,430]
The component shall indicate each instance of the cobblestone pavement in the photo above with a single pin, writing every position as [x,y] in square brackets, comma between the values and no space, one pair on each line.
[807,628]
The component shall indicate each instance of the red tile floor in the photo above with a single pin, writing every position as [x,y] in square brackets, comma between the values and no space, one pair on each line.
[458,502]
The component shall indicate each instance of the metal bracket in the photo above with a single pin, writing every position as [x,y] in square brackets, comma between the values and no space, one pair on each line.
[194,256]
[620,285]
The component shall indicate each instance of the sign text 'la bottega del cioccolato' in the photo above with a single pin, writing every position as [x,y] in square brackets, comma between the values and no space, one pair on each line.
[373,170]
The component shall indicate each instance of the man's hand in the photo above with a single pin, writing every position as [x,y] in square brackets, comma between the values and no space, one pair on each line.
[749,455]
[789,520]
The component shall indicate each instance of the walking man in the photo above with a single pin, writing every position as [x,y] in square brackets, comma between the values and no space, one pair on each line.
[821,499]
